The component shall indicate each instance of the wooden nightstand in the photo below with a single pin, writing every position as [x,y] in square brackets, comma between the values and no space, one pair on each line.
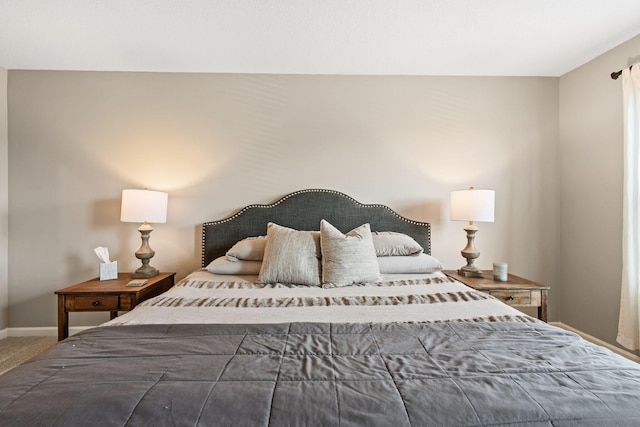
[516,291]
[107,295]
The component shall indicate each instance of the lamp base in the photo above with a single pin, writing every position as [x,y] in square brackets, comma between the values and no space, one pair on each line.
[470,253]
[470,272]
[144,254]
[145,272]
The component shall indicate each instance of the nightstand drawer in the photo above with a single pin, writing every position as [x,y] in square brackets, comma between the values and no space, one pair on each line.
[514,297]
[92,303]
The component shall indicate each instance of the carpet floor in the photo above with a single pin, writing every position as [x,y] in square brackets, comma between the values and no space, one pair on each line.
[16,350]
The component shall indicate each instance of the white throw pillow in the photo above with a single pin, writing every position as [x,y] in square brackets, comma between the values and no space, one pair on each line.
[421,263]
[291,257]
[349,258]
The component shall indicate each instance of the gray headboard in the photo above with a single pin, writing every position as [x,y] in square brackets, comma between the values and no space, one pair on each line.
[303,210]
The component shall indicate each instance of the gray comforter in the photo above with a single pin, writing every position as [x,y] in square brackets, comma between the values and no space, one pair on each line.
[458,374]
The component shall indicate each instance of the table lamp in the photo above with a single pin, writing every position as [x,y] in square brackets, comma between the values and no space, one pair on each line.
[472,205]
[144,206]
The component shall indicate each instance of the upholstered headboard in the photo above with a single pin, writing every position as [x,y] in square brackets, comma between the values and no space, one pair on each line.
[303,210]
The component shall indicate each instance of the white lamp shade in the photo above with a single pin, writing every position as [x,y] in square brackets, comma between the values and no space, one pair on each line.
[144,205]
[472,205]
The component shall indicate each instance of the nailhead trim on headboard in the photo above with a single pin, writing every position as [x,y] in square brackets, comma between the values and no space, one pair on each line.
[425,228]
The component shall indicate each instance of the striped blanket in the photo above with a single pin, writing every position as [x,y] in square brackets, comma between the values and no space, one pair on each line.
[206,298]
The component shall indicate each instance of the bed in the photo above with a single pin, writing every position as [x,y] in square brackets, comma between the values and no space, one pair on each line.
[319,310]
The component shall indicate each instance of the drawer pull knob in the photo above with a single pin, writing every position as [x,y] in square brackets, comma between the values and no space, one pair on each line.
[96,303]
[509,298]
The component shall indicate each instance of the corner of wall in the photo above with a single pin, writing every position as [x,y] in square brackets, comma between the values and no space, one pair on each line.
[591,164]
[4,201]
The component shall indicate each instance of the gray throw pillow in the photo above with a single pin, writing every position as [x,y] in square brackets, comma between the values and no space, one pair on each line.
[291,257]
[390,243]
[248,249]
[349,258]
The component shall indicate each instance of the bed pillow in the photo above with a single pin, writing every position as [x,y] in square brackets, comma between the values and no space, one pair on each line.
[421,263]
[389,243]
[223,265]
[291,256]
[386,243]
[249,249]
[349,258]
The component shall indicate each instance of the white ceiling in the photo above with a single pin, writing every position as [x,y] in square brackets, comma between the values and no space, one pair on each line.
[413,37]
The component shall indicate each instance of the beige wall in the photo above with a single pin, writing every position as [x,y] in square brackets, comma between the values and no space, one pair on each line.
[4,203]
[591,173]
[219,142]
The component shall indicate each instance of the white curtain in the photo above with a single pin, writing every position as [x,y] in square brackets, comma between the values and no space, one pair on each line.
[629,322]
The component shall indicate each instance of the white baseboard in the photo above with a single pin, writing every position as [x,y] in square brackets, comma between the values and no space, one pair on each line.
[44,331]
[629,355]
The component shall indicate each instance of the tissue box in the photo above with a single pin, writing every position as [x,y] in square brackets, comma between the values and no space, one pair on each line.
[108,270]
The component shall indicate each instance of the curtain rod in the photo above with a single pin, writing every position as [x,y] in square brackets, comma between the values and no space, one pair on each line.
[617,74]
